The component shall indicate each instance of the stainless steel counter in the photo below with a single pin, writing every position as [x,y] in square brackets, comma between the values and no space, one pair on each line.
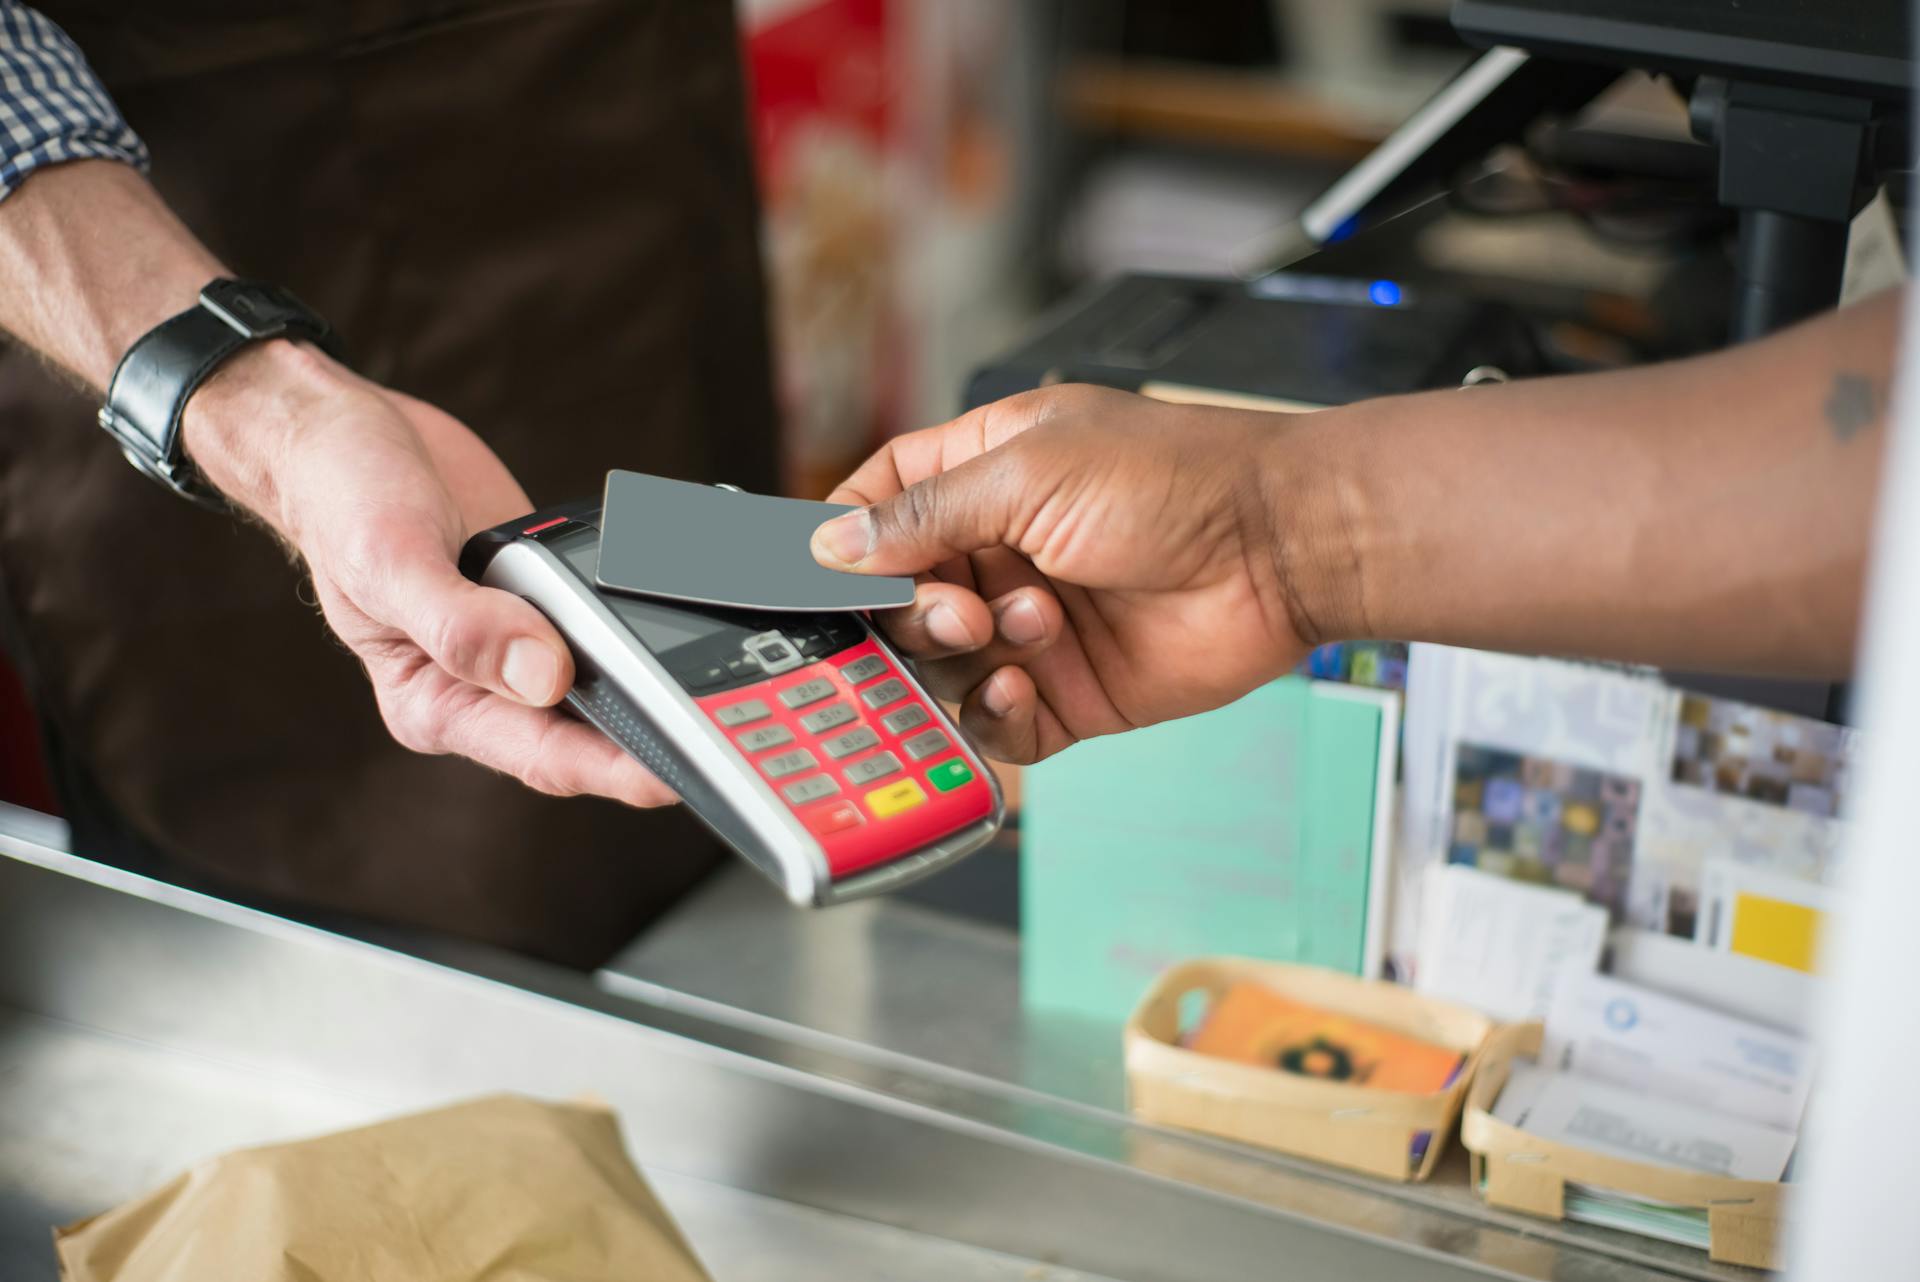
[142,1027]
[905,980]
[99,1119]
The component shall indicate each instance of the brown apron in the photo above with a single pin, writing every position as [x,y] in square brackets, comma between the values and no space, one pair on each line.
[537,214]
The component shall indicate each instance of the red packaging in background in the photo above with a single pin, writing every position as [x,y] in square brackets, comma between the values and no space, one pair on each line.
[885,134]
[824,109]
[23,775]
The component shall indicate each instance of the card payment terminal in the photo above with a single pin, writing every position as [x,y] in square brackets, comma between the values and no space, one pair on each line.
[802,740]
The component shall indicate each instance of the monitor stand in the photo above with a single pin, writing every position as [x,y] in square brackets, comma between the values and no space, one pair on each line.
[1797,165]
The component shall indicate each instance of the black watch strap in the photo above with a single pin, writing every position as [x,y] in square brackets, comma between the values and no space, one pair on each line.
[154,380]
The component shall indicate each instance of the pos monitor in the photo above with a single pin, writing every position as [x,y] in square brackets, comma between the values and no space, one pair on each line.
[1804,100]
[1857,48]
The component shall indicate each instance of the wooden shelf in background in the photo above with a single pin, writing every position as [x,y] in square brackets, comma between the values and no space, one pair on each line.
[1226,108]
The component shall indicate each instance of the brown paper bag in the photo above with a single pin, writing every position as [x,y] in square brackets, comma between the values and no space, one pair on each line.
[503,1189]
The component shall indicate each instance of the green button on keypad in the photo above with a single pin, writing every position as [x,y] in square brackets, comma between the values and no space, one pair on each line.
[949,775]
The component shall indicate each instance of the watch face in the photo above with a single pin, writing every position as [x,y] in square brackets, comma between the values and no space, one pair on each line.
[255,309]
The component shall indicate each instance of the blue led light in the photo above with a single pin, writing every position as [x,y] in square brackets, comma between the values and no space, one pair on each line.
[1385,293]
[1344,230]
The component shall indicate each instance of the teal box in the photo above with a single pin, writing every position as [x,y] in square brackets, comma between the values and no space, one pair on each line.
[1248,831]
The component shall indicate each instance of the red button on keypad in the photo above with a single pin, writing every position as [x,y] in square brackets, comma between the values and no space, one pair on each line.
[833,817]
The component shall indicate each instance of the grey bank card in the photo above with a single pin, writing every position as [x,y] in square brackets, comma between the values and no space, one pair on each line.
[709,546]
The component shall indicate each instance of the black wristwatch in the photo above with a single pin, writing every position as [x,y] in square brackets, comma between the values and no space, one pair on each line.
[154,380]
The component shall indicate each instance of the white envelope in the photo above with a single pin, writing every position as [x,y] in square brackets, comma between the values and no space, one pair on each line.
[1627,1123]
[1602,1028]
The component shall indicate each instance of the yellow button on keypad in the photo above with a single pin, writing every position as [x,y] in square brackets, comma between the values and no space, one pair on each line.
[894,798]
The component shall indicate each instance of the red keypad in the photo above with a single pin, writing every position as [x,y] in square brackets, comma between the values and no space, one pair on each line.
[866,804]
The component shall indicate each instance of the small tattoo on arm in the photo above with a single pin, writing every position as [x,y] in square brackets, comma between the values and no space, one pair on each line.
[1850,405]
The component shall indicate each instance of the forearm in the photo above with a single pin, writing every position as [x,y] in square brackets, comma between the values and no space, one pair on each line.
[1712,512]
[91,258]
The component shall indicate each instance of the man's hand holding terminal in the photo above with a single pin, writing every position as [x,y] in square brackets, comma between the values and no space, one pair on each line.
[377,491]
[373,489]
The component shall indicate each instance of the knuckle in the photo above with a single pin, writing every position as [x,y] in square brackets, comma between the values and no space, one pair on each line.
[1014,465]
[417,721]
[1040,402]
[1066,400]
[413,732]
[551,768]
[456,641]
[543,780]
[919,506]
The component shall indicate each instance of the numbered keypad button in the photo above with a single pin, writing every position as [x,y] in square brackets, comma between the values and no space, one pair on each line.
[788,763]
[867,769]
[926,743]
[761,738]
[812,789]
[889,691]
[905,719]
[845,745]
[741,714]
[829,718]
[864,669]
[799,696]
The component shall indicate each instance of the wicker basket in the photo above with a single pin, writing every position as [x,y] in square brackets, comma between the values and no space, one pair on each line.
[1524,1172]
[1365,1130]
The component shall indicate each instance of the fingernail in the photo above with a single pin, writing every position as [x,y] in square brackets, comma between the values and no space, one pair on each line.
[945,626]
[531,670]
[845,540]
[1019,621]
[995,699]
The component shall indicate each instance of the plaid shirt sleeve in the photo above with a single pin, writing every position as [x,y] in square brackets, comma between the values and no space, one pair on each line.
[52,107]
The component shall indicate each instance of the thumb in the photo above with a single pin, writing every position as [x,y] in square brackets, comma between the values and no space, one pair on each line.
[948,514]
[482,636]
